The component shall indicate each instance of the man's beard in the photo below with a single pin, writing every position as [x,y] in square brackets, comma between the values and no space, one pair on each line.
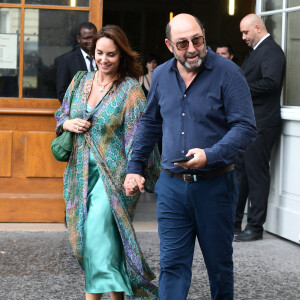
[193,65]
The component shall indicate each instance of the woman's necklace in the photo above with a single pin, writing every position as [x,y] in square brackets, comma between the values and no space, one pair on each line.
[102,86]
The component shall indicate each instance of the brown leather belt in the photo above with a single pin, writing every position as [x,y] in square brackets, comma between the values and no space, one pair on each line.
[204,175]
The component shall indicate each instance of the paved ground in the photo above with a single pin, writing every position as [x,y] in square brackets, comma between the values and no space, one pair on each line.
[38,264]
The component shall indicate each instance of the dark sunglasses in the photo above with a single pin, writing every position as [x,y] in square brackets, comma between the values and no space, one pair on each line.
[184,44]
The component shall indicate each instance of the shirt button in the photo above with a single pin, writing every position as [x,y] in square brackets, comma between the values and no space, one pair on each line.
[182,151]
[182,132]
[183,114]
[184,95]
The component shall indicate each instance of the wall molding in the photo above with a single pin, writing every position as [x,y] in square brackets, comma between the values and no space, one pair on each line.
[27,111]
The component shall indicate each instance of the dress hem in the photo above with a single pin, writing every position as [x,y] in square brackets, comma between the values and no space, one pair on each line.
[94,292]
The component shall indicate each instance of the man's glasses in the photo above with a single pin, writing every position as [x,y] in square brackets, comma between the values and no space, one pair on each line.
[184,44]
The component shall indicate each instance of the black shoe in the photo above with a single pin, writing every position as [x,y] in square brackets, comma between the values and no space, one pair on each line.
[237,228]
[248,236]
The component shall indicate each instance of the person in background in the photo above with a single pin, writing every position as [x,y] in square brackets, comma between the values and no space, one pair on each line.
[79,59]
[264,68]
[202,105]
[225,50]
[145,80]
[104,115]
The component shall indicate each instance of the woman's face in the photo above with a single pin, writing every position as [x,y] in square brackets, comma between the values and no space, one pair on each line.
[151,65]
[107,56]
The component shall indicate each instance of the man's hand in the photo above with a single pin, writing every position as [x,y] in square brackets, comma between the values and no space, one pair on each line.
[133,183]
[199,160]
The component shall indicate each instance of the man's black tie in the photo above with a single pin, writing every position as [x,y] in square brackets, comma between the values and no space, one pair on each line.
[91,63]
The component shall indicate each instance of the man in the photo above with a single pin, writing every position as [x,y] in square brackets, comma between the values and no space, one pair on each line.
[264,70]
[77,60]
[201,103]
[225,50]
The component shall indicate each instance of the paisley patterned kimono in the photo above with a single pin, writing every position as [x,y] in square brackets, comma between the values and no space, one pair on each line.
[115,119]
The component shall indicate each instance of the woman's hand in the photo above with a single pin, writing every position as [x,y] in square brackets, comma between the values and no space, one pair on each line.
[77,125]
[133,183]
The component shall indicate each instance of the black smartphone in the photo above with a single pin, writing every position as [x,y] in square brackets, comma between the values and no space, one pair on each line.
[181,159]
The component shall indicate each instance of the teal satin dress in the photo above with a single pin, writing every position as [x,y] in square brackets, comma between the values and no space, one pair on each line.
[103,256]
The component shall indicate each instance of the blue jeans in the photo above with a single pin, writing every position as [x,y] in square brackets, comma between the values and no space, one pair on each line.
[206,210]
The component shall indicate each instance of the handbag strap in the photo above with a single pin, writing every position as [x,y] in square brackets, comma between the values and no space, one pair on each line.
[77,78]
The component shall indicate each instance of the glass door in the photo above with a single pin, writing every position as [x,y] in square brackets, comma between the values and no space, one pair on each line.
[33,35]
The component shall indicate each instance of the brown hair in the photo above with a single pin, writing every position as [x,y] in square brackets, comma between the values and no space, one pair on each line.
[129,63]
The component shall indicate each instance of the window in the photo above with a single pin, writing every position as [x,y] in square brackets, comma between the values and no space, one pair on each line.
[292,3]
[292,87]
[44,42]
[9,51]
[33,35]
[274,26]
[83,3]
[271,5]
[10,1]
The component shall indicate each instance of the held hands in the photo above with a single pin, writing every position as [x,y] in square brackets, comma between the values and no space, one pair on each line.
[199,160]
[133,183]
[77,125]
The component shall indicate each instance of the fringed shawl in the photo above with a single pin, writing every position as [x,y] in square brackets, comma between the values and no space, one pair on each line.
[115,119]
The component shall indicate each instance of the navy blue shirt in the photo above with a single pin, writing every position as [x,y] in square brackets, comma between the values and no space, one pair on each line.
[214,113]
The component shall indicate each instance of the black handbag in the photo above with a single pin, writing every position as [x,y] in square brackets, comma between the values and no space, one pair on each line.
[61,146]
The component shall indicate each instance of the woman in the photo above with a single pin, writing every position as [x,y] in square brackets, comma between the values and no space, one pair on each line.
[145,80]
[104,115]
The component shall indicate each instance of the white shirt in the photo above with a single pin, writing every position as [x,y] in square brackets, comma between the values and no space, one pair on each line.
[261,40]
[87,61]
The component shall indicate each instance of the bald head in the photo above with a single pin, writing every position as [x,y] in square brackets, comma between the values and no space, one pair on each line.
[254,20]
[253,29]
[181,21]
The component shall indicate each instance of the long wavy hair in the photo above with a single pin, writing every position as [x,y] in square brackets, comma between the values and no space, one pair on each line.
[130,60]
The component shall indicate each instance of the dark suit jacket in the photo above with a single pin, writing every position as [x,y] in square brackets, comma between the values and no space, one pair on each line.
[264,70]
[68,65]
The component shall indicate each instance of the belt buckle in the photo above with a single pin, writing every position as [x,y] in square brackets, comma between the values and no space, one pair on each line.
[189,178]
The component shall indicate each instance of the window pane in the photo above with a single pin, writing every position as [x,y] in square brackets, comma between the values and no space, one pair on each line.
[10,1]
[273,24]
[292,3]
[44,41]
[292,86]
[271,5]
[82,3]
[9,49]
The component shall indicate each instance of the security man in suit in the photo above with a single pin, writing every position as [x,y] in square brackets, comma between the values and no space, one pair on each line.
[76,60]
[264,68]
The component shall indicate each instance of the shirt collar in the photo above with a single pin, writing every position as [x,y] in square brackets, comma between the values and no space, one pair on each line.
[261,40]
[208,62]
[209,59]
[84,53]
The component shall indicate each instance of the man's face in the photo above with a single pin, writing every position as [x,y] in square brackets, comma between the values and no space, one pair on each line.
[85,39]
[223,51]
[249,33]
[193,56]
